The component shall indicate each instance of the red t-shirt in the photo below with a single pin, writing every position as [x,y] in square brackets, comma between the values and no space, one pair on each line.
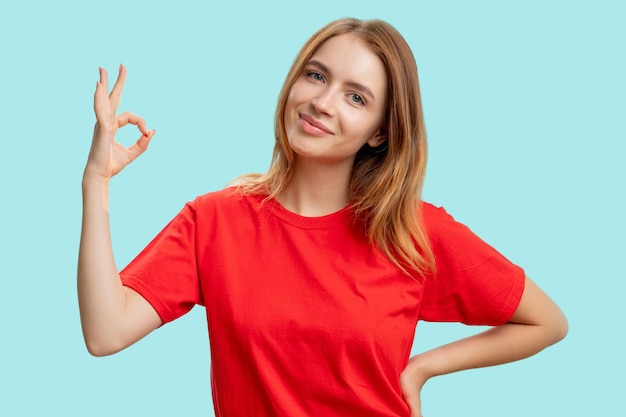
[305,317]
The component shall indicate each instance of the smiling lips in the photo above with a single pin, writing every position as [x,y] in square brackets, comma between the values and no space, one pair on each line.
[313,127]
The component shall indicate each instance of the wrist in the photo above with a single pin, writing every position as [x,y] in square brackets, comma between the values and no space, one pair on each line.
[94,179]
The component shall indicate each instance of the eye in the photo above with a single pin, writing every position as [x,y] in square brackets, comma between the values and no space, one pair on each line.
[357,99]
[314,75]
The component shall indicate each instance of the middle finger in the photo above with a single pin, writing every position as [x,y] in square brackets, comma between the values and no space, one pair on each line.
[116,92]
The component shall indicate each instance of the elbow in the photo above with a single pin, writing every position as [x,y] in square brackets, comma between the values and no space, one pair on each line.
[560,328]
[98,351]
[556,328]
[538,310]
[100,347]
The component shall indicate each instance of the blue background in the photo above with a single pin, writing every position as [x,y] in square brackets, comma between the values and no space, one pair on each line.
[525,112]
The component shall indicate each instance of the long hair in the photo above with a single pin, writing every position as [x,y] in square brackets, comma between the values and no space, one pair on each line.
[386,183]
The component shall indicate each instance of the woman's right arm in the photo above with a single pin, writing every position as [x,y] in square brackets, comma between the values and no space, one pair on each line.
[112,316]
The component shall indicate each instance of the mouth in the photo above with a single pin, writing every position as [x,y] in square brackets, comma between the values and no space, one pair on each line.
[312,126]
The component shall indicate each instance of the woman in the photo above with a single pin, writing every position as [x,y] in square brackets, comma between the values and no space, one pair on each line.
[315,274]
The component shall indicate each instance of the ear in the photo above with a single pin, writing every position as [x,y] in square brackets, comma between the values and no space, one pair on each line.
[378,139]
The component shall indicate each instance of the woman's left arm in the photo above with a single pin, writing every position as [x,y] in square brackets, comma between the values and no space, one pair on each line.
[536,324]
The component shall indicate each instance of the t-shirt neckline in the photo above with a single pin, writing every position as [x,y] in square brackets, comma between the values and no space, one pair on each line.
[336,218]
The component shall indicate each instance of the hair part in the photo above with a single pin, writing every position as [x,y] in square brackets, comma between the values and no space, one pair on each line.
[386,182]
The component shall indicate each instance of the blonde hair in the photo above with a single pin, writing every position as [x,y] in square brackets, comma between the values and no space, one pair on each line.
[386,183]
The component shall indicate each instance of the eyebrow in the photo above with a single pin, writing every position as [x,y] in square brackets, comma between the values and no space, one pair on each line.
[357,86]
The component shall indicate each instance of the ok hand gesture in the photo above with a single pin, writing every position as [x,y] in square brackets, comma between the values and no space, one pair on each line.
[108,157]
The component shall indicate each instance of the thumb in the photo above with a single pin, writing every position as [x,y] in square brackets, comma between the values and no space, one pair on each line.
[140,145]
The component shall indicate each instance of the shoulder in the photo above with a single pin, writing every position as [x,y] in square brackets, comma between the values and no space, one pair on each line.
[230,200]
[432,212]
[454,243]
[445,233]
[436,220]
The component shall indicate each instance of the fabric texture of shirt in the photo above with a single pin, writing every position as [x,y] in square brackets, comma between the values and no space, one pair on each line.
[305,317]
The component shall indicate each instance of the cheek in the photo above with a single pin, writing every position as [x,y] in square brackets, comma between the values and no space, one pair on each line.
[294,99]
[289,107]
[358,124]
[375,121]
[297,94]
[289,102]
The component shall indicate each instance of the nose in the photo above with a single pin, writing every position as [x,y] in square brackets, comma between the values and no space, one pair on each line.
[323,102]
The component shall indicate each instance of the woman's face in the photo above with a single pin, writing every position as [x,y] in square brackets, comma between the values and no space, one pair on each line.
[338,103]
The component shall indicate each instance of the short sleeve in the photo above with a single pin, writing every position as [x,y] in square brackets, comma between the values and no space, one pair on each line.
[165,273]
[473,282]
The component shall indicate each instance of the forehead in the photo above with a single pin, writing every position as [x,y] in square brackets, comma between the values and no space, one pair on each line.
[349,57]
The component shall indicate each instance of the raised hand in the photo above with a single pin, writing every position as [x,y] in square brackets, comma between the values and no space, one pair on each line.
[112,316]
[108,157]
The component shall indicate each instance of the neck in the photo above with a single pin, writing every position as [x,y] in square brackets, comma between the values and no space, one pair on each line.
[317,189]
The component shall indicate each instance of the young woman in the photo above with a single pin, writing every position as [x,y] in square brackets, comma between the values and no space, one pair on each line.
[315,274]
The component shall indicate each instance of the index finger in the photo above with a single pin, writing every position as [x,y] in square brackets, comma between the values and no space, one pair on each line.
[104,78]
[127,117]
[116,92]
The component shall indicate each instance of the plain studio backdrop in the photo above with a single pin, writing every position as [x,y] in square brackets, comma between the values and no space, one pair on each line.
[525,110]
